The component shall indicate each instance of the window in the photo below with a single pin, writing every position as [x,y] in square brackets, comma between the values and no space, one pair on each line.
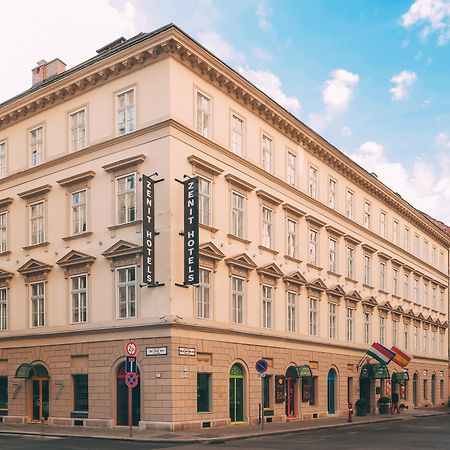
[394,332]
[441,301]
[291,169]
[267,306]
[237,214]
[416,291]
[383,224]
[292,238]
[367,263]
[203,115]
[433,257]
[37,223]
[406,286]
[441,344]
[433,342]
[382,330]
[80,393]
[350,262]
[78,130]
[3,310]
[312,182]
[2,159]
[415,339]
[416,245]
[36,147]
[367,321]
[126,198]
[267,391]
[126,292]
[395,281]
[367,215]
[126,112]
[425,389]
[3,395]
[38,304]
[425,251]
[350,204]
[382,276]
[425,294]
[350,323]
[406,239]
[3,233]
[204,201]
[332,192]
[332,250]
[292,311]
[395,232]
[441,260]
[313,247]
[425,341]
[313,316]
[267,225]
[332,318]
[237,294]
[237,135]
[79,298]
[433,298]
[266,153]
[203,392]
[78,212]
[406,336]
[203,294]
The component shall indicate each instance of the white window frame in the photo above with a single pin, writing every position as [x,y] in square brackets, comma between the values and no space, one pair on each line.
[291,168]
[40,220]
[434,256]
[129,111]
[237,138]
[203,115]
[332,320]
[36,146]
[426,291]
[395,228]
[237,300]
[416,245]
[332,255]
[367,269]
[406,292]
[382,330]
[313,324]
[79,297]
[416,291]
[267,306]
[332,193]
[367,327]
[406,335]
[3,232]
[395,281]
[77,210]
[238,215]
[3,159]
[3,309]
[367,215]
[291,240]
[313,246]
[425,250]
[266,153]
[267,219]
[127,285]
[130,194]
[205,201]
[350,204]
[406,234]
[383,224]
[395,332]
[313,181]
[415,338]
[39,299]
[291,311]
[350,262]
[77,130]
[382,276]
[203,295]
[350,324]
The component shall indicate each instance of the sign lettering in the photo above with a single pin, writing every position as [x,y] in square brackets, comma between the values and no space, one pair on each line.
[191,231]
[148,208]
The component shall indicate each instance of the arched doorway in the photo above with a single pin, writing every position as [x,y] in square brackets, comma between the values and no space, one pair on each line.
[123,397]
[415,382]
[237,393]
[291,392]
[332,391]
[433,389]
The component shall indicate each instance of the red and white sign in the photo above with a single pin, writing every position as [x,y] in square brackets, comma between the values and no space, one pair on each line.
[131,348]
[131,379]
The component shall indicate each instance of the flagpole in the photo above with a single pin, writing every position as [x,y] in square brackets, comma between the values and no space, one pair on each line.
[361,361]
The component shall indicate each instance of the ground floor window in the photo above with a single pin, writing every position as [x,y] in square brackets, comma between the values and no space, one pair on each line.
[3,396]
[308,390]
[203,392]
[267,391]
[441,389]
[80,393]
[425,389]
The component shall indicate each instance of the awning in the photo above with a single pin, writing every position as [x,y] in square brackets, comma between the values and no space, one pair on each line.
[299,371]
[400,376]
[374,371]
[28,371]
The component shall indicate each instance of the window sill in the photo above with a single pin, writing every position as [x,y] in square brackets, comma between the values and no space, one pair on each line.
[426,307]
[6,253]
[331,272]
[313,266]
[381,291]
[396,296]
[267,249]
[207,227]
[368,286]
[293,259]
[407,300]
[42,244]
[124,225]
[237,238]
[76,236]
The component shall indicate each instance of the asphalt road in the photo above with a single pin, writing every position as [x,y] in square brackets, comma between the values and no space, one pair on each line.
[424,433]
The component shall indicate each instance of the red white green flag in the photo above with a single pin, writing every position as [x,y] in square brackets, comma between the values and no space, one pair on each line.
[401,357]
[382,354]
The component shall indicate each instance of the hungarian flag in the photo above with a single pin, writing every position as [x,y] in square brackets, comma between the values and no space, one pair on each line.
[401,358]
[382,354]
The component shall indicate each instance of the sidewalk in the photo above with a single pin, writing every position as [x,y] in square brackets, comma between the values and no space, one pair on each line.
[219,434]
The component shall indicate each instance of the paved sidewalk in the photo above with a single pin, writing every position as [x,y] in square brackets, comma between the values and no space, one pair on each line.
[219,434]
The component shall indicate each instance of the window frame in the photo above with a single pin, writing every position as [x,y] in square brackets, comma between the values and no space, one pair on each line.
[332,193]
[267,164]
[40,153]
[40,299]
[79,205]
[313,246]
[126,284]
[235,293]
[267,239]
[3,158]
[242,150]
[78,292]
[313,185]
[118,110]
[237,212]
[267,309]
[313,315]
[332,320]
[125,192]
[200,113]
[4,309]
[292,238]
[204,196]
[291,170]
[209,398]
[204,303]
[78,394]
[76,148]
[291,299]
[40,219]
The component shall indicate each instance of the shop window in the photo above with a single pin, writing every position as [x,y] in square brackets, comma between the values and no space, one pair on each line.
[80,393]
[203,392]
[3,396]
[308,390]
[267,391]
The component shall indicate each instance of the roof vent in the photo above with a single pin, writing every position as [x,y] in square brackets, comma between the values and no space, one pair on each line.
[111,45]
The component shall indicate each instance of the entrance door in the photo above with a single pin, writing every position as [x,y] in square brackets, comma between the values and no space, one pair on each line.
[40,399]
[332,391]
[291,406]
[364,390]
[415,377]
[433,389]
[123,396]
[237,393]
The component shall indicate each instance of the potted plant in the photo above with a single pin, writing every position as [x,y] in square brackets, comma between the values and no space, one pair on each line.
[383,405]
[362,407]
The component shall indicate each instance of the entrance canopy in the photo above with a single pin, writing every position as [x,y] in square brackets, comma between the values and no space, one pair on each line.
[299,371]
[27,371]
[400,376]
[374,371]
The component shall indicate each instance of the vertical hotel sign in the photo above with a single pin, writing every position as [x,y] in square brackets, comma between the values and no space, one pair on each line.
[149,230]
[191,231]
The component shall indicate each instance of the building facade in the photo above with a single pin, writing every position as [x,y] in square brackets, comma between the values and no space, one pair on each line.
[305,258]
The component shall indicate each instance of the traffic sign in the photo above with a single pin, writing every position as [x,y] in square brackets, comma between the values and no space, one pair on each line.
[130,364]
[261,365]
[131,348]
[131,379]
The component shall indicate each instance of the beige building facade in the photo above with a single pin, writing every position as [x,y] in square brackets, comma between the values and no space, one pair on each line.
[305,258]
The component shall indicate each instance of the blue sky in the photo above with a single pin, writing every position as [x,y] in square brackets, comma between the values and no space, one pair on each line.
[371,76]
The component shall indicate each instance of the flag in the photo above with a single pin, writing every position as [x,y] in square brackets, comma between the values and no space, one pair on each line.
[401,357]
[382,354]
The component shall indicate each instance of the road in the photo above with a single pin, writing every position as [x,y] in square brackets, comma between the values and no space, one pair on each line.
[425,433]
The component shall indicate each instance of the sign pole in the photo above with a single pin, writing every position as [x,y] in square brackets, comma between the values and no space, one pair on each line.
[262,402]
[129,411]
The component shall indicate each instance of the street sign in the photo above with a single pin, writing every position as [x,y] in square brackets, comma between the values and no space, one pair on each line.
[131,379]
[130,364]
[131,348]
[156,351]
[261,365]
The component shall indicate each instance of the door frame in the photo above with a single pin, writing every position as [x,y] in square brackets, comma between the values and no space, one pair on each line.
[40,380]
[235,377]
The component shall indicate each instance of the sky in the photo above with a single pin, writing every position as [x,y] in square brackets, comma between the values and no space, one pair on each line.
[372,77]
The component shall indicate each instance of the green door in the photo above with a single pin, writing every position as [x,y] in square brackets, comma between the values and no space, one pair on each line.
[237,393]
[415,377]
[433,389]
[40,399]
[331,392]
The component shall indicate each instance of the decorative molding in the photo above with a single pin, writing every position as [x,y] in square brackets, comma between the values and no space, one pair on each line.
[334,231]
[316,284]
[75,262]
[269,198]
[34,270]
[384,256]
[35,192]
[75,179]
[5,202]
[352,240]
[315,221]
[293,210]
[239,182]
[368,248]
[240,265]
[123,253]
[5,277]
[204,165]
[126,163]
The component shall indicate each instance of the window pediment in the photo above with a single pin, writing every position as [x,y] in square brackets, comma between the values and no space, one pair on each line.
[270,270]
[385,306]
[75,262]
[294,211]
[5,202]
[240,265]
[314,221]
[317,284]
[269,198]
[336,290]
[126,163]
[35,192]
[123,253]
[5,276]
[370,301]
[34,270]
[295,278]
[352,240]
[334,231]
[75,179]
[209,250]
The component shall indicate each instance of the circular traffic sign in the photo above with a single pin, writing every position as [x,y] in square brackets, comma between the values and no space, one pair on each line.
[261,365]
[131,348]
[131,379]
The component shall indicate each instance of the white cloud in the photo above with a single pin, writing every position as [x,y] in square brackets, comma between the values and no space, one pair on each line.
[269,83]
[442,140]
[433,15]
[262,12]
[261,54]
[402,84]
[215,43]
[346,131]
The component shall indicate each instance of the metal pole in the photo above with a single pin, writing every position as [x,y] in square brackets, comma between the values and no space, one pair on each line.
[262,402]
[129,411]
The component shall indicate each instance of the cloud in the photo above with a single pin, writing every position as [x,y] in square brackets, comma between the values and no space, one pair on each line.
[269,83]
[442,140]
[215,43]
[402,84]
[432,15]
[346,131]
[261,54]
[262,13]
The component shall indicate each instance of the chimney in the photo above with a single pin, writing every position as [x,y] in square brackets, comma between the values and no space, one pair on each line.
[45,70]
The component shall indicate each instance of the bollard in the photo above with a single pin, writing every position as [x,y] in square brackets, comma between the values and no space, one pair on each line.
[350,411]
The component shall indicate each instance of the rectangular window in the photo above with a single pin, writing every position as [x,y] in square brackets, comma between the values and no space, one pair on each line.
[425,389]
[313,316]
[237,215]
[204,201]
[266,153]
[2,159]
[267,391]
[78,130]
[203,294]
[416,339]
[350,324]
[126,112]
[267,292]
[441,260]
[292,238]
[332,320]
[425,340]
[433,297]
[425,294]
[291,169]
[332,193]
[406,336]
[79,293]
[367,215]
[126,292]
[126,198]
[267,227]
[3,395]
[395,231]
[350,262]
[79,211]
[237,293]
[382,330]
[441,301]
[383,224]
[441,344]
[312,182]
[406,239]
[37,223]
[80,393]
[367,320]
[433,342]
[394,332]
[395,281]
[3,309]
[3,233]
[383,276]
[203,392]
[425,251]
[416,291]
[332,250]
[406,286]
[292,311]
[433,257]
[313,247]
[36,146]
[203,115]
[350,204]
[367,271]
[37,304]
[237,135]
[416,245]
